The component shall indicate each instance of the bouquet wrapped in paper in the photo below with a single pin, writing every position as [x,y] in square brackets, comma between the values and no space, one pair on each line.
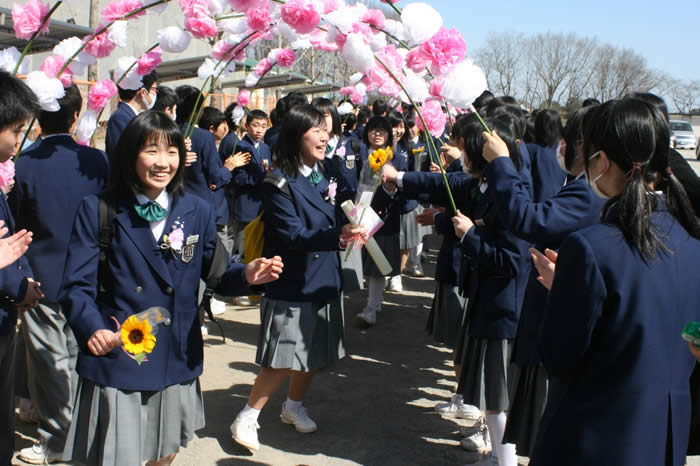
[137,334]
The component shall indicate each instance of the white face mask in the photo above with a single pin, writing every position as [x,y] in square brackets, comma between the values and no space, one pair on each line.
[151,102]
[593,182]
[561,159]
[174,115]
[463,159]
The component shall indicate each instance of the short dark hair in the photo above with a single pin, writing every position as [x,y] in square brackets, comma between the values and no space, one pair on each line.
[324,106]
[211,116]
[296,123]
[256,114]
[61,120]
[145,127]
[395,119]
[590,102]
[363,115]
[167,98]
[17,101]
[288,102]
[273,117]
[573,135]
[189,102]
[378,122]
[483,100]
[379,107]
[148,81]
[349,121]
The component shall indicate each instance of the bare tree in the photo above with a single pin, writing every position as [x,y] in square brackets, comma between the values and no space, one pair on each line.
[501,59]
[685,95]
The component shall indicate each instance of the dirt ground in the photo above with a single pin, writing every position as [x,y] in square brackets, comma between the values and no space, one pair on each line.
[375,407]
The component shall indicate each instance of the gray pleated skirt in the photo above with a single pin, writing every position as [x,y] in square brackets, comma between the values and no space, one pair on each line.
[485,377]
[113,427]
[446,314]
[389,244]
[301,336]
[353,276]
[527,401]
[411,232]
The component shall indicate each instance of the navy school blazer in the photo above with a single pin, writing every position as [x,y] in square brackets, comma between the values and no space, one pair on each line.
[141,275]
[248,180]
[227,147]
[547,175]
[116,125]
[207,174]
[611,343]
[13,278]
[495,263]
[51,180]
[546,224]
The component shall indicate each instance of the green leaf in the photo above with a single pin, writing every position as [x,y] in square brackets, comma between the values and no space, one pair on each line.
[140,357]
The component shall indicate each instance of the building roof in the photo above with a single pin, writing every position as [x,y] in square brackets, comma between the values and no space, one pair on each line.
[58,30]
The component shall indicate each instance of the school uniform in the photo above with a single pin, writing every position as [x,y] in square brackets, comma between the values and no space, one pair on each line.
[271,136]
[301,312]
[160,400]
[116,124]
[447,309]
[13,287]
[610,340]
[228,147]
[547,175]
[546,225]
[525,171]
[207,174]
[44,205]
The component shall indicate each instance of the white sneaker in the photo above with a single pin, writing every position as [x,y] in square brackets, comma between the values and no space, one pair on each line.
[38,453]
[479,440]
[299,418]
[245,432]
[205,331]
[366,318]
[218,307]
[395,285]
[414,271]
[456,408]
[242,301]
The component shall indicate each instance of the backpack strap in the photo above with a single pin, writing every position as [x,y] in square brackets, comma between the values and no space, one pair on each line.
[279,181]
[105,213]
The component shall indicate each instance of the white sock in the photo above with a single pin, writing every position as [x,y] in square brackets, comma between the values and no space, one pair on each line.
[291,404]
[505,452]
[249,413]
[375,287]
[414,254]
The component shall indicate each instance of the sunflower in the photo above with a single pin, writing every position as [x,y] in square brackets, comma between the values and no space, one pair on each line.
[137,336]
[379,157]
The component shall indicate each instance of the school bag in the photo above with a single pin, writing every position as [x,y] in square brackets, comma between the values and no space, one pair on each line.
[106,213]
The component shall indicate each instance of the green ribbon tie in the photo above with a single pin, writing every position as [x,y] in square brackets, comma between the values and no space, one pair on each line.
[314,178]
[151,211]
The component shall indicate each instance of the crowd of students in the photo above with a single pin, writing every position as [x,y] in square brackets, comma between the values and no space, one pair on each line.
[563,279]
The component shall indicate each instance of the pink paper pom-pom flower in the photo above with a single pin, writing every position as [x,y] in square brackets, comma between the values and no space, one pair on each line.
[202,27]
[243,98]
[27,19]
[434,117]
[319,41]
[416,60]
[286,57]
[120,8]
[259,18]
[436,87]
[244,5]
[149,61]
[329,6]
[445,49]
[263,67]
[100,46]
[375,18]
[301,16]
[52,65]
[347,90]
[100,93]
[194,8]
[7,173]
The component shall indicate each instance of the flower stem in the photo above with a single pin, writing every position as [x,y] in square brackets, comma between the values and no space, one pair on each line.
[394,7]
[31,39]
[430,139]
[481,120]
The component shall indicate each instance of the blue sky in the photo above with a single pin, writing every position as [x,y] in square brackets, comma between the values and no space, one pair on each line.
[667,34]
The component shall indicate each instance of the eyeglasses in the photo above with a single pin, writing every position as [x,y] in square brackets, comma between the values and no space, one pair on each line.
[378,131]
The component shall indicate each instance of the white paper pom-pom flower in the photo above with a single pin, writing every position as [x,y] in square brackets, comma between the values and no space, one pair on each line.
[67,48]
[358,54]
[420,21]
[86,126]
[287,32]
[378,42]
[48,90]
[252,79]
[217,6]
[235,25]
[345,108]
[355,77]
[173,39]
[117,33]
[300,44]
[237,114]
[395,28]
[9,58]
[209,67]
[128,80]
[342,19]
[463,84]
[416,87]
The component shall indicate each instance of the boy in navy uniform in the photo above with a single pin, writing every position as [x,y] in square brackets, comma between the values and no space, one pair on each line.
[41,203]
[17,287]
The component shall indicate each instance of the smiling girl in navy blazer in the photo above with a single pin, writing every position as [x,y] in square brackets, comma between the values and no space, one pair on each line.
[120,405]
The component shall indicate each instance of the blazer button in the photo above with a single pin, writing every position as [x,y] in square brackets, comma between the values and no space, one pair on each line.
[169,290]
[316,256]
[139,289]
[19,267]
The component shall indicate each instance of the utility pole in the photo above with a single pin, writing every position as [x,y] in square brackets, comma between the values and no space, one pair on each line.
[93,24]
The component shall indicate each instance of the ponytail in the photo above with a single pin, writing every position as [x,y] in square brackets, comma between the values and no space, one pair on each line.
[679,204]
